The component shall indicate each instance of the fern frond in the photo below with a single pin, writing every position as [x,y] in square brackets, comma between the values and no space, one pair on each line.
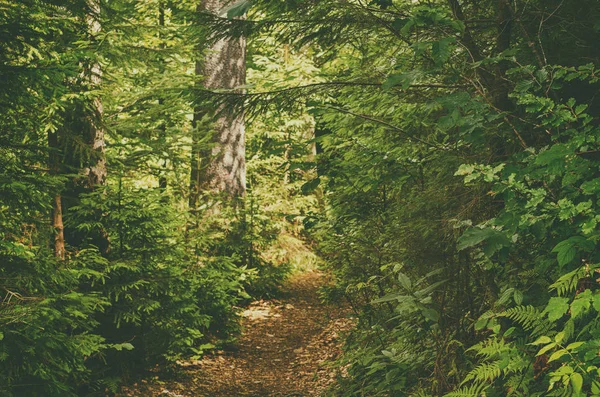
[476,390]
[541,327]
[529,274]
[567,283]
[490,348]
[528,317]
[485,372]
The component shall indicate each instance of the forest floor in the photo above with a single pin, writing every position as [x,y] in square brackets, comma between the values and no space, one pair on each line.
[285,349]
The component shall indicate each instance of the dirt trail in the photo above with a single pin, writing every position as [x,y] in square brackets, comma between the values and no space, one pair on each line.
[282,352]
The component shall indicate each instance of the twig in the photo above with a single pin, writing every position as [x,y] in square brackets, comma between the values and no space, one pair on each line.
[385,123]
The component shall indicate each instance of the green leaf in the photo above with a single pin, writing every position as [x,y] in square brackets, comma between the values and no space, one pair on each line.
[556,153]
[509,331]
[567,249]
[557,354]
[404,281]
[465,169]
[565,255]
[310,186]
[574,345]
[237,9]
[596,301]
[595,387]
[441,50]
[581,303]
[556,308]
[518,297]
[431,314]
[393,80]
[495,239]
[576,382]
[542,340]
[544,349]
[481,323]
[121,346]
[387,298]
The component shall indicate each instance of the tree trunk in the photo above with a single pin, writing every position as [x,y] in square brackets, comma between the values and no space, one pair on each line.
[57,216]
[82,127]
[84,134]
[59,229]
[96,169]
[221,168]
[162,176]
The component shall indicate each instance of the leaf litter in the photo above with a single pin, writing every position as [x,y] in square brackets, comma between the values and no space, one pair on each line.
[286,349]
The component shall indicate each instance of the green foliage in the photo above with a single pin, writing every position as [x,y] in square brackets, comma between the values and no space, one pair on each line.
[138,286]
[459,137]
[441,157]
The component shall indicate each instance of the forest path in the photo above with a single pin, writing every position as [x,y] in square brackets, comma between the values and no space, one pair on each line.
[282,351]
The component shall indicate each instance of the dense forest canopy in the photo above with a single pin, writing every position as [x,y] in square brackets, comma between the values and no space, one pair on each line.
[163,163]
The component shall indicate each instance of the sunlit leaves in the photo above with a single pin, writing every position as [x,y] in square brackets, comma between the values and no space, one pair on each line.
[556,308]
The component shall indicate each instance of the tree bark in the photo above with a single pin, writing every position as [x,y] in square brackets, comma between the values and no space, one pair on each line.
[221,168]
[59,229]
[57,216]
[96,169]
[84,133]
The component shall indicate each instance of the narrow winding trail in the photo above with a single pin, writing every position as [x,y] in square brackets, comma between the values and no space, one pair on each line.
[282,352]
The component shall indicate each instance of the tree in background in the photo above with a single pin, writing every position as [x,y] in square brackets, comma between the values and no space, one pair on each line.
[413,90]
[76,326]
[220,168]
[456,181]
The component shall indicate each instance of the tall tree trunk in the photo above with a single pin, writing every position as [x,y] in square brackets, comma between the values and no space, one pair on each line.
[59,229]
[162,176]
[96,170]
[84,133]
[57,216]
[89,130]
[222,167]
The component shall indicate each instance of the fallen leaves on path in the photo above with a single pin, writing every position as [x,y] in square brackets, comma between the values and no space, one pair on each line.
[284,351]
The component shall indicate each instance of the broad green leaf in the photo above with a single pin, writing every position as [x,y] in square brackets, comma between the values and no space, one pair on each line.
[581,303]
[494,239]
[557,152]
[556,308]
[518,297]
[481,323]
[567,249]
[576,382]
[596,301]
[557,354]
[465,169]
[404,281]
[565,255]
[431,314]
[595,387]
[387,298]
[404,79]
[121,346]
[574,345]
[509,331]
[310,186]
[237,9]
[441,50]
[542,340]
[544,349]
[591,187]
